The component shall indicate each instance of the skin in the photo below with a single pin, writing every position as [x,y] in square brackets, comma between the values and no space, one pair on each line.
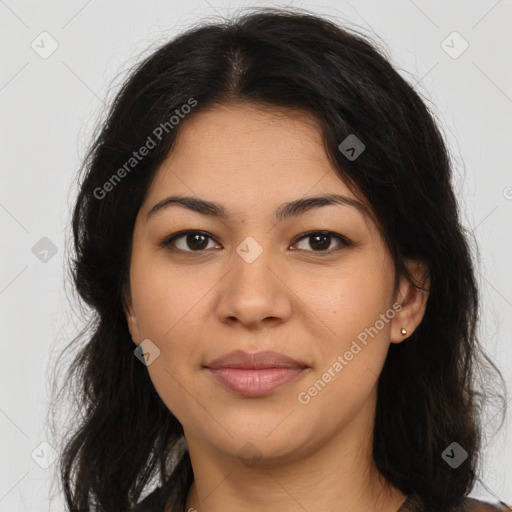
[198,305]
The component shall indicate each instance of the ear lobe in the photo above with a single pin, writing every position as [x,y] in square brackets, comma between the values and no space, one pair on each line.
[131,319]
[413,300]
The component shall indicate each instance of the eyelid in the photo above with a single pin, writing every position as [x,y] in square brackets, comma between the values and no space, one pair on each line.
[344,242]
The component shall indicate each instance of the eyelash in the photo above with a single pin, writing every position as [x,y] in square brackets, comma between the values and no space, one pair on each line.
[167,243]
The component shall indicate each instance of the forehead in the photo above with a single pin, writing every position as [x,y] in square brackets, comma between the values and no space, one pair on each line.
[249,133]
[247,155]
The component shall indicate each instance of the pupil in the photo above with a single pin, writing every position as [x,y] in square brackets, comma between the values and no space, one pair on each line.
[196,241]
[325,238]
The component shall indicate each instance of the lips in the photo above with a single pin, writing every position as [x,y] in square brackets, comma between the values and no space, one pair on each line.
[258,360]
[257,374]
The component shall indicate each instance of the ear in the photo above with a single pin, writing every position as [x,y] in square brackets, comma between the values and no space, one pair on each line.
[413,300]
[131,318]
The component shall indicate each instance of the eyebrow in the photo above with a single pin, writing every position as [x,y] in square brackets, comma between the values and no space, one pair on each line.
[285,211]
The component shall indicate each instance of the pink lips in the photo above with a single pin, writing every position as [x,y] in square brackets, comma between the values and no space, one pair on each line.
[257,374]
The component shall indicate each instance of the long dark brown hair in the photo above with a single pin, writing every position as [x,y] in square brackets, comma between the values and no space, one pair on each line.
[122,438]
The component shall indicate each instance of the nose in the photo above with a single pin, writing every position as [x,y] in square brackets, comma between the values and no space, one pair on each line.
[254,294]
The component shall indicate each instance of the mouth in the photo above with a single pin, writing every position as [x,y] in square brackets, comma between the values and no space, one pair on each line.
[255,375]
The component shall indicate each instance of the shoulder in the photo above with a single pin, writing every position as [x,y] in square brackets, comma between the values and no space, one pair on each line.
[475,505]
[156,502]
[415,504]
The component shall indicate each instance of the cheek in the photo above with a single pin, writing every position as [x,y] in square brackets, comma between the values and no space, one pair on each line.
[352,352]
[165,301]
[349,299]
[162,317]
[352,358]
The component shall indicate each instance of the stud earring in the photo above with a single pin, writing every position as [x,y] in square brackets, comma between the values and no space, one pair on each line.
[403,331]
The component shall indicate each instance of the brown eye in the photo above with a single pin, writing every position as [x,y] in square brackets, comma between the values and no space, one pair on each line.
[189,241]
[196,241]
[320,241]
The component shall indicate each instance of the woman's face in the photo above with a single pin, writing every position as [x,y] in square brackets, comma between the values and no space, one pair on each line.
[254,280]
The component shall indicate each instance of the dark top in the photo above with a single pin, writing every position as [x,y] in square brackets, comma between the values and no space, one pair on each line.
[156,502]
[414,504]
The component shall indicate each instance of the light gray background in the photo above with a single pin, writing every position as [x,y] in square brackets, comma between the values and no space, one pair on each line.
[50,106]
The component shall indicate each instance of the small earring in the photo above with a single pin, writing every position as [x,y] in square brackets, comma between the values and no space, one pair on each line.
[403,331]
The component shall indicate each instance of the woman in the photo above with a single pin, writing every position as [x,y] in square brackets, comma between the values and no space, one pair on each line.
[285,299]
